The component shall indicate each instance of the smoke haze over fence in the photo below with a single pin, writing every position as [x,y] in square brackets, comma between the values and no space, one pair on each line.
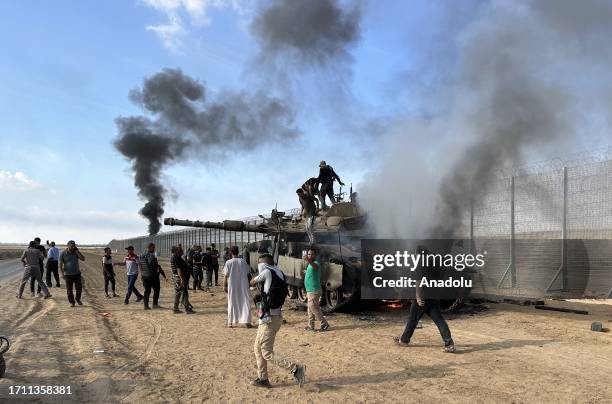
[529,79]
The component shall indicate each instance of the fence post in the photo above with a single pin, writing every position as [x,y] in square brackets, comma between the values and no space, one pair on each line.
[472,222]
[512,266]
[563,267]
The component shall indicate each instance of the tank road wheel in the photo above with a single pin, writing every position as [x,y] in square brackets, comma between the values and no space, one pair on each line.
[302,296]
[333,298]
[293,292]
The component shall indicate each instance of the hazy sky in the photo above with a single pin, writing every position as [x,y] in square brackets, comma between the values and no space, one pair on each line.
[67,68]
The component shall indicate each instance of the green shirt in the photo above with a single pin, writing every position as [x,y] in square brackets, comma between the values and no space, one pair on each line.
[312,279]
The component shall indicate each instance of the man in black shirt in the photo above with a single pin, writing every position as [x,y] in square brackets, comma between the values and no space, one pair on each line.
[214,255]
[326,178]
[179,271]
[208,267]
[198,274]
[149,272]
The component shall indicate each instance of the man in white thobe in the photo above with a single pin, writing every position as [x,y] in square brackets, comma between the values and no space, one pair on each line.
[236,284]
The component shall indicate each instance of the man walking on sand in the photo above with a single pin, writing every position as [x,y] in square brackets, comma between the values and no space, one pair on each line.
[52,265]
[31,261]
[179,269]
[130,262]
[312,283]
[109,272]
[214,262]
[41,265]
[273,295]
[70,271]
[432,308]
[149,271]
[236,285]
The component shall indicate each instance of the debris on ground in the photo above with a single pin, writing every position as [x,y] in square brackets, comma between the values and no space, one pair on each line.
[597,326]
[561,309]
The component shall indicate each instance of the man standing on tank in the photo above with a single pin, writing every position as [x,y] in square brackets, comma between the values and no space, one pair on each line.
[326,178]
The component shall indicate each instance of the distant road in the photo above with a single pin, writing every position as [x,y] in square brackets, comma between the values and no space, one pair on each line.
[9,269]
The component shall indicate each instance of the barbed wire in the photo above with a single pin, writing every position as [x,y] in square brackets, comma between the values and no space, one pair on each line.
[575,159]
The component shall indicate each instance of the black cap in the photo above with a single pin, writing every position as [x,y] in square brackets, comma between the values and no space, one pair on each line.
[130,247]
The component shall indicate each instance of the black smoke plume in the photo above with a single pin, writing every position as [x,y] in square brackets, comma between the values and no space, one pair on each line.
[313,31]
[184,121]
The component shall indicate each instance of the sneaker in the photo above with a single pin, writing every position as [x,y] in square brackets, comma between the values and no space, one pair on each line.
[261,383]
[156,306]
[80,303]
[300,375]
[325,327]
[138,299]
[48,296]
[71,304]
[189,310]
[107,295]
[449,349]
[115,295]
[147,308]
[177,311]
[398,341]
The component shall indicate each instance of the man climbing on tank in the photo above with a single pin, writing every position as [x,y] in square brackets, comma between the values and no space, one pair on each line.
[311,188]
[308,212]
[326,178]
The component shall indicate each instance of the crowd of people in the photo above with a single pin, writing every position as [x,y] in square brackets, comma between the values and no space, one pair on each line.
[238,279]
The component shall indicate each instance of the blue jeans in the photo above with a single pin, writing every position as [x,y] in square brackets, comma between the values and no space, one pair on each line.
[132,287]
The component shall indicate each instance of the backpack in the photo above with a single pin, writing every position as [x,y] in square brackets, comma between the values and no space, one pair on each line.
[275,298]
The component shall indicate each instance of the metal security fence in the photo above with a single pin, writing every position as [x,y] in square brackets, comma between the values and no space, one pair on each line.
[195,236]
[558,231]
[189,237]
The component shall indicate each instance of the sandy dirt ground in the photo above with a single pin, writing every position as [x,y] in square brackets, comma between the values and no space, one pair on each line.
[506,354]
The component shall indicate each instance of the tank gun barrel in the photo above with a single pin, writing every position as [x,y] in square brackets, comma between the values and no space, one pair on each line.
[228,225]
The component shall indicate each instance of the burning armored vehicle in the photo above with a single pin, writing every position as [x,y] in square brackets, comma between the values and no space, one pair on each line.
[338,232]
